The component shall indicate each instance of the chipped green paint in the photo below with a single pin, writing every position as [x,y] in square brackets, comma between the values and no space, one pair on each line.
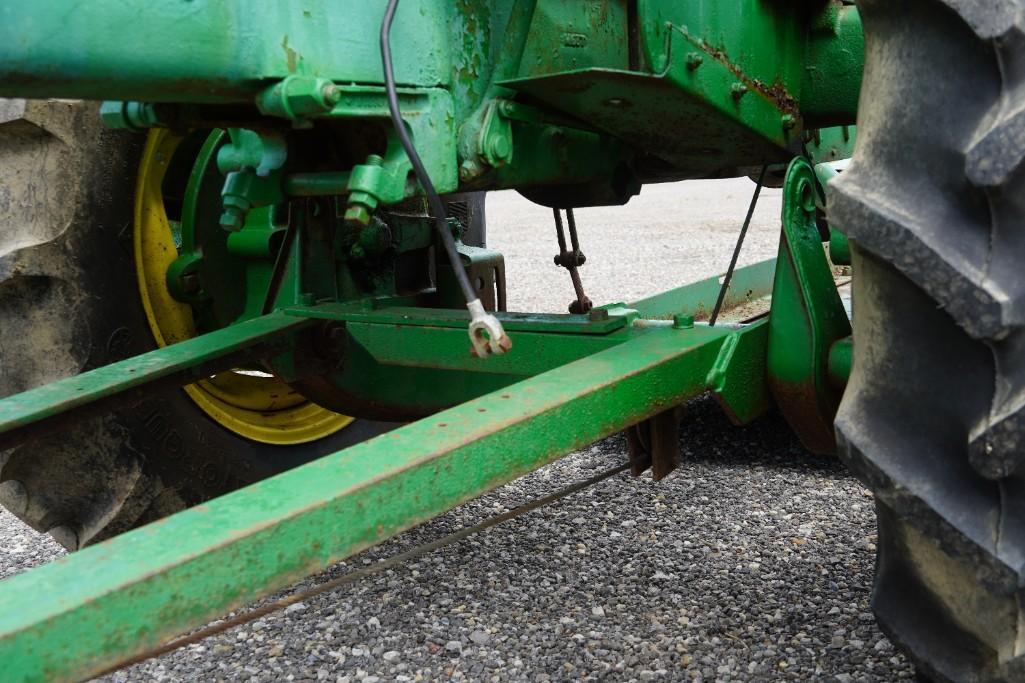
[290,56]
[706,88]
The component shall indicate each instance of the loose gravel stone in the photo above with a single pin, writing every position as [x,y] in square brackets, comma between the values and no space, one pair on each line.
[752,562]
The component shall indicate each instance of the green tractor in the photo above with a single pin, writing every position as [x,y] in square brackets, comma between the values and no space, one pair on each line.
[250,325]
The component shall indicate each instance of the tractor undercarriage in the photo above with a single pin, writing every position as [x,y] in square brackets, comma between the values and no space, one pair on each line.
[304,255]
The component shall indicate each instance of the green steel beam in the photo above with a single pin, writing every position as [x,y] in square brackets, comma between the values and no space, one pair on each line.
[401,363]
[210,50]
[413,360]
[180,363]
[356,312]
[95,608]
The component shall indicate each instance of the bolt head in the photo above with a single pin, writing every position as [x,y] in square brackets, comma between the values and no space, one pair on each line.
[232,219]
[331,94]
[683,321]
[468,170]
[357,213]
[500,147]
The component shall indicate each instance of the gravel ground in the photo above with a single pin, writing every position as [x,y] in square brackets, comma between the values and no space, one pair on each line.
[753,561]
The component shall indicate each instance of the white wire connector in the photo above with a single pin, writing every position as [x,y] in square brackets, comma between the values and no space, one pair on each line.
[486,333]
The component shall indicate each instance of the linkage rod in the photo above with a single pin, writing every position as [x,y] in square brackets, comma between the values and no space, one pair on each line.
[571,260]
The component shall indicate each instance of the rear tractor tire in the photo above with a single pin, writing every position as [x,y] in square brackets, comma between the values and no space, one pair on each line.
[933,419]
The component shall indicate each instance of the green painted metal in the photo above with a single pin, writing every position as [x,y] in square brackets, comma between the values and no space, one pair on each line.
[622,92]
[367,312]
[839,248]
[211,50]
[573,103]
[738,378]
[181,363]
[832,67]
[401,362]
[739,77]
[841,357]
[398,360]
[430,115]
[85,612]
[229,270]
[825,145]
[807,317]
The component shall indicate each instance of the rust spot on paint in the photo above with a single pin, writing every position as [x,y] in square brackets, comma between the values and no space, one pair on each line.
[290,55]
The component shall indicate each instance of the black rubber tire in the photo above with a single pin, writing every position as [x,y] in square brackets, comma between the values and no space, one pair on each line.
[69,303]
[933,420]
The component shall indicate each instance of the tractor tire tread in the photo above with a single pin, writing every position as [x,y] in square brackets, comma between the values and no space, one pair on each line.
[932,420]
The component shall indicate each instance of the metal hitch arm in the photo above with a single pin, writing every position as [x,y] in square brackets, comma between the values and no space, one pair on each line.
[88,611]
[31,412]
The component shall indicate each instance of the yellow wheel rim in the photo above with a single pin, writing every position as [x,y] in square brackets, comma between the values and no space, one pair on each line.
[256,406]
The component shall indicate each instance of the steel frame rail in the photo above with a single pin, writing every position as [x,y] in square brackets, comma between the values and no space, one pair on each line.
[24,415]
[107,603]
[88,611]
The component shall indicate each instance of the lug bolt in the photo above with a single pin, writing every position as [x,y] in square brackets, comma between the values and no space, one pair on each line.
[738,90]
[468,170]
[694,60]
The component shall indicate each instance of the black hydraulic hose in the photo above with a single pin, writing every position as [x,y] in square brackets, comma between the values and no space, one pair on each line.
[437,206]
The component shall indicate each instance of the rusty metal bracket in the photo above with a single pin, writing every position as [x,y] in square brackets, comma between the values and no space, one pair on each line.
[655,443]
[806,319]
